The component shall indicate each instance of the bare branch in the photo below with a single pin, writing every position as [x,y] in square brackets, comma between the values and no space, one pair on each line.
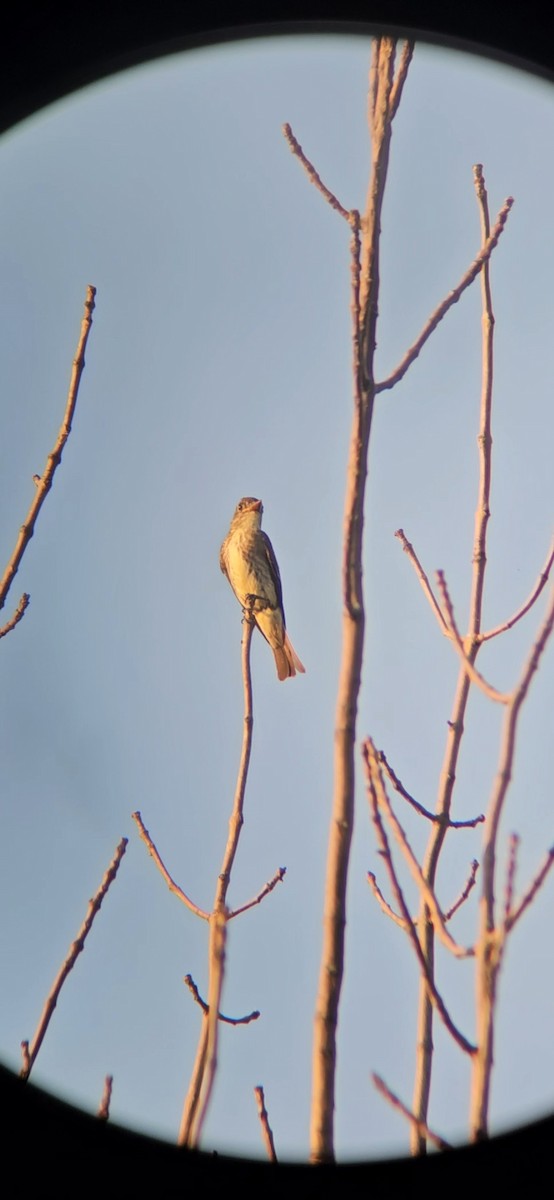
[312,173]
[54,458]
[456,723]
[423,579]
[200,1089]
[421,1126]
[173,887]
[448,623]
[370,757]
[452,298]
[455,637]
[424,812]
[464,895]
[104,1107]
[376,790]
[513,847]
[399,787]
[19,612]
[267,1135]
[253,1016]
[506,760]
[388,911]
[365,291]
[30,1052]
[491,937]
[192,1099]
[484,440]
[355,311]
[267,888]
[400,78]
[540,584]
[531,892]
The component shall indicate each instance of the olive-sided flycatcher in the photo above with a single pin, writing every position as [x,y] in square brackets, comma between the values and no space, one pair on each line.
[247,559]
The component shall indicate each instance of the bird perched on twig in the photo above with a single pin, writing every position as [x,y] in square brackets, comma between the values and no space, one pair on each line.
[247,559]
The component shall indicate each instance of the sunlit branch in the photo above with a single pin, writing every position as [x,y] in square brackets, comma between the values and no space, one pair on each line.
[421,1126]
[53,461]
[267,1134]
[173,887]
[30,1051]
[452,298]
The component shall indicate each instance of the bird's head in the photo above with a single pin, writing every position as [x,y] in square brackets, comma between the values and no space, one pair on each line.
[248,512]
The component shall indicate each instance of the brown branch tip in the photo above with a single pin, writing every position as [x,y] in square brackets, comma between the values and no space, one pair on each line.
[267,1133]
[104,1107]
[312,174]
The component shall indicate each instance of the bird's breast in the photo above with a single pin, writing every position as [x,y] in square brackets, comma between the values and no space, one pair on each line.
[248,568]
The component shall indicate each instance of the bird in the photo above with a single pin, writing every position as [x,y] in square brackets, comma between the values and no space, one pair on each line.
[247,559]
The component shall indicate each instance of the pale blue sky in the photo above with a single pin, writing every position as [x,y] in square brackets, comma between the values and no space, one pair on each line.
[219,365]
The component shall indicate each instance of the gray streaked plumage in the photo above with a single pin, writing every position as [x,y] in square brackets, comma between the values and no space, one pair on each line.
[247,559]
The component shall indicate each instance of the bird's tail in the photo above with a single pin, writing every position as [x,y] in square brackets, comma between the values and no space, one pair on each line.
[287,660]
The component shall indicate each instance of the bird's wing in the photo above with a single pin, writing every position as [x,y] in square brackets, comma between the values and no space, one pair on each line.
[223,557]
[274,571]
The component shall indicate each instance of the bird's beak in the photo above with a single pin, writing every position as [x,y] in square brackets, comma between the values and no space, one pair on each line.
[256,506]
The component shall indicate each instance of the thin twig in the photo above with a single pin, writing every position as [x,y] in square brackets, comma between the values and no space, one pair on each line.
[531,892]
[540,584]
[507,753]
[513,847]
[267,888]
[424,812]
[402,791]
[501,934]
[312,174]
[388,911]
[355,311]
[375,789]
[173,887]
[18,614]
[421,1126]
[400,79]
[353,514]
[484,440]
[464,895]
[452,298]
[253,1016]
[447,623]
[491,938]
[456,639]
[55,456]
[370,757]
[104,1106]
[423,578]
[200,1089]
[30,1052]
[267,1134]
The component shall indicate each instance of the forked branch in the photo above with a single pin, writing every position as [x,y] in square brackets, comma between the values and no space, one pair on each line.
[202,1080]
[424,1062]
[493,931]
[384,94]
[376,790]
